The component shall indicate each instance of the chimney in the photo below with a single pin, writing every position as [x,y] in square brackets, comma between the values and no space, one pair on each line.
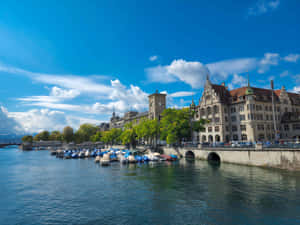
[272,84]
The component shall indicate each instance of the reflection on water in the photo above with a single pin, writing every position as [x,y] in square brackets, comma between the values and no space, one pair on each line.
[37,188]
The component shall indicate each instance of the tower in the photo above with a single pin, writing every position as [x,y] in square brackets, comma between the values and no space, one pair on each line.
[157,104]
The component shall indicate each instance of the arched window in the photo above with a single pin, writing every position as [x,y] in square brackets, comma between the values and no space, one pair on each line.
[210,138]
[208,110]
[217,138]
[202,112]
[203,138]
[244,137]
[216,109]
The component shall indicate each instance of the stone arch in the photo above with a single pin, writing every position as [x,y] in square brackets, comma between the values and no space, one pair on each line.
[190,155]
[203,138]
[210,139]
[235,137]
[213,157]
[217,138]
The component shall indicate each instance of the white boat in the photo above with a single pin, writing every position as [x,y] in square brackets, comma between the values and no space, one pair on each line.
[97,159]
[87,153]
[105,161]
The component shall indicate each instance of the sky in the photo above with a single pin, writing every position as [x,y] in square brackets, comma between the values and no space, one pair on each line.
[73,62]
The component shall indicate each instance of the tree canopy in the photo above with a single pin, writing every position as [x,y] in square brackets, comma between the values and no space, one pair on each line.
[27,138]
[42,136]
[177,124]
[85,132]
[56,136]
[68,134]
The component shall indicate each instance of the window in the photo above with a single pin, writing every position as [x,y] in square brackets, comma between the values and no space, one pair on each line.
[208,110]
[226,119]
[286,127]
[234,128]
[247,106]
[242,117]
[243,127]
[217,120]
[241,108]
[216,109]
[227,128]
[225,110]
[232,109]
[244,137]
[233,118]
[217,128]
[235,137]
[209,129]
[296,126]
[260,127]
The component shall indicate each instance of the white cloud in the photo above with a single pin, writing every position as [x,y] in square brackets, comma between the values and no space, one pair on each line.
[64,94]
[284,73]
[37,120]
[182,94]
[153,58]
[269,59]
[224,68]
[237,81]
[192,73]
[291,58]
[8,125]
[263,6]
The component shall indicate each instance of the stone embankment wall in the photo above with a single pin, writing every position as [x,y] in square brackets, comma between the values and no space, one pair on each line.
[274,158]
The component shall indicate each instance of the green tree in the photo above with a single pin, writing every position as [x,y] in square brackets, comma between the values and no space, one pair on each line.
[68,134]
[148,130]
[27,138]
[176,125]
[85,132]
[42,136]
[56,136]
[112,136]
[96,137]
[129,135]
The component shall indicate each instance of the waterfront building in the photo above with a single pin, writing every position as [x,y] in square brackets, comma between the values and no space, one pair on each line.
[247,114]
[157,104]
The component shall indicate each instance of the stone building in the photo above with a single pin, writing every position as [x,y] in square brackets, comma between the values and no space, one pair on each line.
[157,104]
[247,114]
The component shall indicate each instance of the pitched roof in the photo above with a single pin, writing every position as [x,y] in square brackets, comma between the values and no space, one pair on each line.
[222,92]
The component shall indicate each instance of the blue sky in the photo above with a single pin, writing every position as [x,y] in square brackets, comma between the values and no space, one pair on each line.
[69,62]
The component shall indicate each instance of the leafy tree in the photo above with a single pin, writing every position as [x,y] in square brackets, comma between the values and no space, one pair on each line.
[42,136]
[148,129]
[85,132]
[129,135]
[56,136]
[27,138]
[112,136]
[176,125]
[68,134]
[96,137]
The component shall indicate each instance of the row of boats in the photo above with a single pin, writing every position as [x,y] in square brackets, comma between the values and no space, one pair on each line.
[106,156]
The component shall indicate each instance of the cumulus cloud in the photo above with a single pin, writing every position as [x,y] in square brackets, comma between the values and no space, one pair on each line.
[37,120]
[8,125]
[192,73]
[291,58]
[263,6]
[153,58]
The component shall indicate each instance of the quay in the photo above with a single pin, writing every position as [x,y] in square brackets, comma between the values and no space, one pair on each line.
[281,158]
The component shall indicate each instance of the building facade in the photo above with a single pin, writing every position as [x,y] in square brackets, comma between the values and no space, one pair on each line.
[247,114]
[157,104]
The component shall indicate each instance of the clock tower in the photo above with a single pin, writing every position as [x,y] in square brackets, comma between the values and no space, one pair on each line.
[157,104]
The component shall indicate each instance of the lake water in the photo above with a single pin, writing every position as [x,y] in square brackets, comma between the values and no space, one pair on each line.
[36,188]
